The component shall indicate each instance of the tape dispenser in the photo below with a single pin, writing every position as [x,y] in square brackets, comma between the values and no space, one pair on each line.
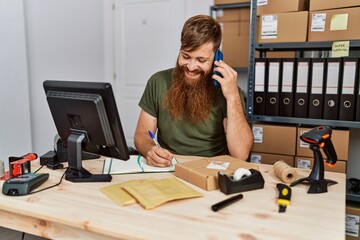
[241,181]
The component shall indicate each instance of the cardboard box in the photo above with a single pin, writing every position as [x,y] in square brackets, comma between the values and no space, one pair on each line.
[332,4]
[267,158]
[283,27]
[308,163]
[235,43]
[352,220]
[339,138]
[235,32]
[274,139]
[280,6]
[204,172]
[219,2]
[333,25]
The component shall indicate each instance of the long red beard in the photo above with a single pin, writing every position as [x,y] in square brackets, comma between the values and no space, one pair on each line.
[189,99]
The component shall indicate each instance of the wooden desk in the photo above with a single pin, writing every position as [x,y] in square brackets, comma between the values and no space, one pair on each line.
[81,211]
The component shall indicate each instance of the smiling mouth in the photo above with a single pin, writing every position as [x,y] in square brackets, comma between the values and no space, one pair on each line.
[193,73]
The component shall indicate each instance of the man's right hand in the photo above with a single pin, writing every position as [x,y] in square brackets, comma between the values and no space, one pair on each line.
[159,157]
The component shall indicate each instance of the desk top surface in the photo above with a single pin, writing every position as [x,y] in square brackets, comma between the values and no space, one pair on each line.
[60,211]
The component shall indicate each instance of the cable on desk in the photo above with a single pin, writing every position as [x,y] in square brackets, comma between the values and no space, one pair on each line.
[57,184]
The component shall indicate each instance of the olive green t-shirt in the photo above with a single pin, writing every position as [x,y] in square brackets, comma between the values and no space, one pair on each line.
[179,136]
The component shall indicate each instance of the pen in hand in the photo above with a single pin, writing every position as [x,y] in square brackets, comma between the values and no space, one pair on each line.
[158,145]
[154,139]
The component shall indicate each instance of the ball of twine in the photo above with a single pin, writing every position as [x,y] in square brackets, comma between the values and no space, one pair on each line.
[283,171]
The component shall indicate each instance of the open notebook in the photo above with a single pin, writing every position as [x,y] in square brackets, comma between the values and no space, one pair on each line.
[136,164]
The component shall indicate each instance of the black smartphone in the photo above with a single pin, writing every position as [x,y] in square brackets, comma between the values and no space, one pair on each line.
[218,56]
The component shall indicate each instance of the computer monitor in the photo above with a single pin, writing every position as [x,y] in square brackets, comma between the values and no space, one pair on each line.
[86,119]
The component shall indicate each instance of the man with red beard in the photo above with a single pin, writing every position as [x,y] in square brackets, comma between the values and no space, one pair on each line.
[190,115]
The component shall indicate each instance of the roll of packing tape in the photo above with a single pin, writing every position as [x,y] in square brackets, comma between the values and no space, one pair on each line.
[286,173]
[240,173]
[2,168]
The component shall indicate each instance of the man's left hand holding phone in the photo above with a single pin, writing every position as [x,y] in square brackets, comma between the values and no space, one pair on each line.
[224,76]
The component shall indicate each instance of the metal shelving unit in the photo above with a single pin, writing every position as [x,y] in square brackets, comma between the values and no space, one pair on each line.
[262,48]
[215,8]
[228,6]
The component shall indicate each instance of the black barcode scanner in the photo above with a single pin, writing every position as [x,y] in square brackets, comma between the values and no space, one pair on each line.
[319,138]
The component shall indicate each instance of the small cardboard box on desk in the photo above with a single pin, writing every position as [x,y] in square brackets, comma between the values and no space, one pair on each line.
[204,172]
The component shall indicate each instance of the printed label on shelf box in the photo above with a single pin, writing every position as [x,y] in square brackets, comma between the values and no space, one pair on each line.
[318,22]
[302,163]
[262,2]
[303,144]
[255,158]
[269,26]
[219,13]
[258,134]
[352,225]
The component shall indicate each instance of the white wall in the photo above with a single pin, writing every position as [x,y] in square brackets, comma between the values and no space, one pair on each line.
[65,41]
[15,130]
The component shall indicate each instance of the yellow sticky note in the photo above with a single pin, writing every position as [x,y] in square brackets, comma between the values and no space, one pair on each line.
[340,49]
[339,22]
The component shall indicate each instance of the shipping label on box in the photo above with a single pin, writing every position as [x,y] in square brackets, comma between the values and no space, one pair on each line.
[352,225]
[255,158]
[318,21]
[204,172]
[262,2]
[269,26]
[303,163]
[258,134]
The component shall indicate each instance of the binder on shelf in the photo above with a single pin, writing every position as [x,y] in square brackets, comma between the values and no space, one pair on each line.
[331,99]
[272,87]
[286,102]
[357,107]
[301,103]
[260,82]
[317,89]
[348,88]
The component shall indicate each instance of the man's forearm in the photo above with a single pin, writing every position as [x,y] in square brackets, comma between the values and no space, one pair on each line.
[238,133]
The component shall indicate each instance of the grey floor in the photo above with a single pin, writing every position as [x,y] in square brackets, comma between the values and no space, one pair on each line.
[9,234]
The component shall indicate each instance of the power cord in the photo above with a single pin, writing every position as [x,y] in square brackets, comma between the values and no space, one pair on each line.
[57,184]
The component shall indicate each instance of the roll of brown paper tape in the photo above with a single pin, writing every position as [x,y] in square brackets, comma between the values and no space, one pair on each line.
[286,173]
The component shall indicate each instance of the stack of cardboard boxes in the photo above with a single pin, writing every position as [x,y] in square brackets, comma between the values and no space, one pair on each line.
[286,21]
[282,21]
[290,21]
[276,142]
[236,27]
[332,20]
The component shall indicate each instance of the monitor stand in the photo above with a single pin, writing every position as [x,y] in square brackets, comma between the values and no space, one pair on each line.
[75,171]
